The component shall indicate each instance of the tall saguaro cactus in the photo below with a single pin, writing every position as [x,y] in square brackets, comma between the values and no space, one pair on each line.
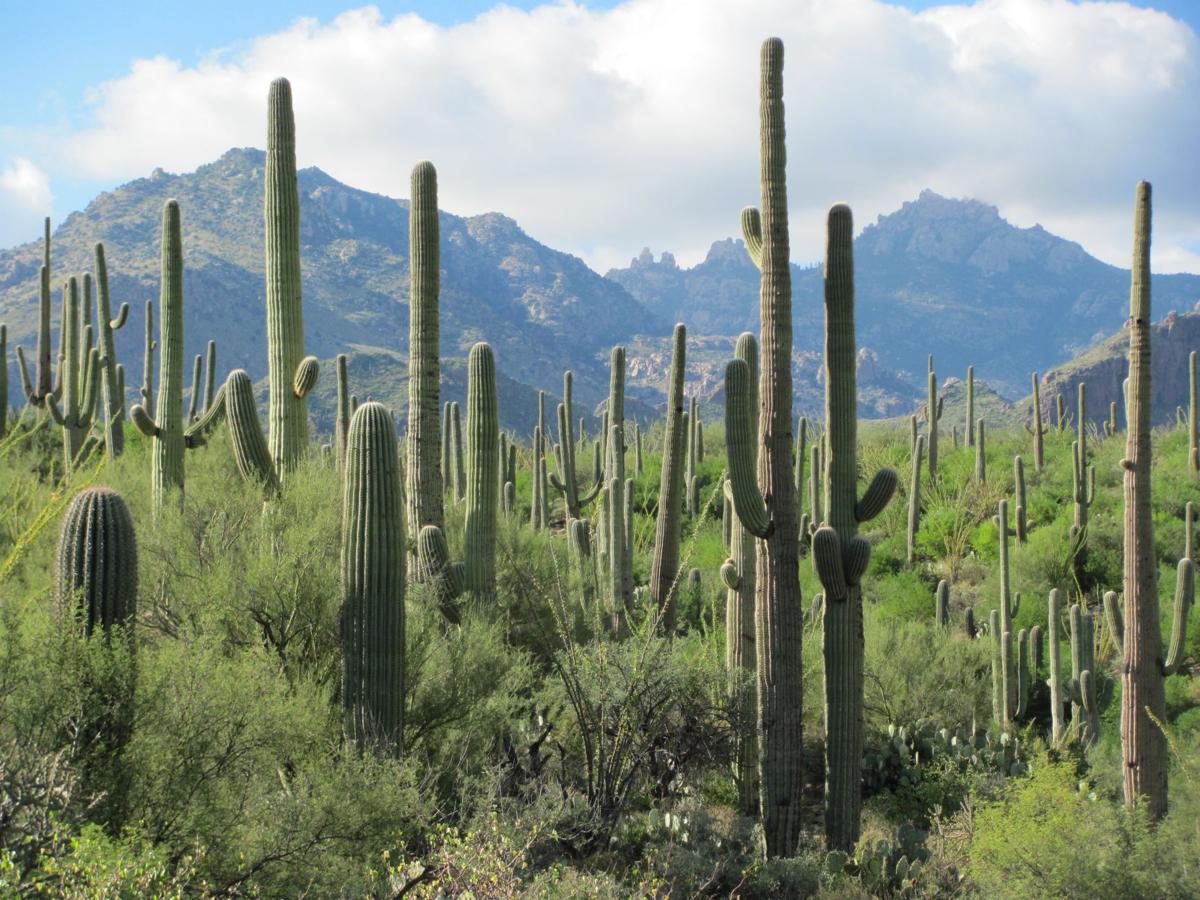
[737,573]
[114,402]
[970,424]
[1143,698]
[840,555]
[933,413]
[1193,413]
[290,373]
[423,472]
[1038,429]
[483,462]
[664,566]
[79,375]
[565,480]
[766,505]
[372,580]
[914,499]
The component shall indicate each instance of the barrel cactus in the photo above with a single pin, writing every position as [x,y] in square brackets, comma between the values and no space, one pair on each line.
[97,574]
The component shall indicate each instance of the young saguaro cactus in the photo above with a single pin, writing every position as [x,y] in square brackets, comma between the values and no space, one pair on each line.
[970,423]
[372,580]
[113,399]
[291,374]
[914,499]
[664,566]
[1193,413]
[779,617]
[97,560]
[423,472]
[483,424]
[1022,521]
[980,453]
[933,413]
[737,574]
[1038,429]
[619,544]
[941,606]
[840,555]
[42,386]
[3,380]
[149,346]
[80,380]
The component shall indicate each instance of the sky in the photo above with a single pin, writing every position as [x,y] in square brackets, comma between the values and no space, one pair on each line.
[603,126]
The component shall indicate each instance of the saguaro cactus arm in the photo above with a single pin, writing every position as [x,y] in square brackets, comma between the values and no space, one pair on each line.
[740,444]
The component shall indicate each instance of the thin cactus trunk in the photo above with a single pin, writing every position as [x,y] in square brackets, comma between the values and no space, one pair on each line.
[914,499]
[664,567]
[113,400]
[1039,452]
[970,425]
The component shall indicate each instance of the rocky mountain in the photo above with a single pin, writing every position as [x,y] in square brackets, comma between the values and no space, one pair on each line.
[942,276]
[1104,369]
[543,311]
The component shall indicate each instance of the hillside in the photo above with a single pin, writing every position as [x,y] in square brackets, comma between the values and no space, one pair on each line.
[939,275]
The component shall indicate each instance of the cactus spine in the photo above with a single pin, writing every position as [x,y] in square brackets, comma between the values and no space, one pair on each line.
[737,574]
[290,373]
[423,472]
[372,581]
[113,399]
[840,555]
[914,498]
[664,567]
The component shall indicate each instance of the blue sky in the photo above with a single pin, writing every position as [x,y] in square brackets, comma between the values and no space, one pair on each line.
[61,134]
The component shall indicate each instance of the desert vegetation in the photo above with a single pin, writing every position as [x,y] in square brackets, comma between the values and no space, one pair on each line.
[742,656]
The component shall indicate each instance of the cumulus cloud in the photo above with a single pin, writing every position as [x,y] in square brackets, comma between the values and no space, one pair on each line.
[24,199]
[603,131]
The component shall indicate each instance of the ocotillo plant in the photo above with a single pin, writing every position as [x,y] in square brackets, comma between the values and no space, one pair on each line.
[980,453]
[1038,429]
[423,471]
[291,374]
[970,424]
[1143,698]
[97,571]
[737,573]
[914,498]
[1193,412]
[113,399]
[37,390]
[664,566]
[933,412]
[80,380]
[565,481]
[372,581]
[341,425]
[840,555]
[1022,523]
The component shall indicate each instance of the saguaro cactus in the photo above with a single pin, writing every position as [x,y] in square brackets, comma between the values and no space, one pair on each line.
[779,618]
[341,425]
[1038,429]
[737,574]
[618,543]
[1193,427]
[933,413]
[290,373]
[423,472]
[941,605]
[372,580]
[840,555]
[150,345]
[3,380]
[483,424]
[565,481]
[664,567]
[970,424]
[1022,523]
[980,453]
[37,390]
[914,498]
[80,377]
[114,401]
[97,560]
[1143,745]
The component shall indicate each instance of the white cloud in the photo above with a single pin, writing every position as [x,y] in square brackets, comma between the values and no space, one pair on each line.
[602,131]
[24,200]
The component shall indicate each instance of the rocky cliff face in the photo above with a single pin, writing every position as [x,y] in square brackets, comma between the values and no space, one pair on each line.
[1104,369]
